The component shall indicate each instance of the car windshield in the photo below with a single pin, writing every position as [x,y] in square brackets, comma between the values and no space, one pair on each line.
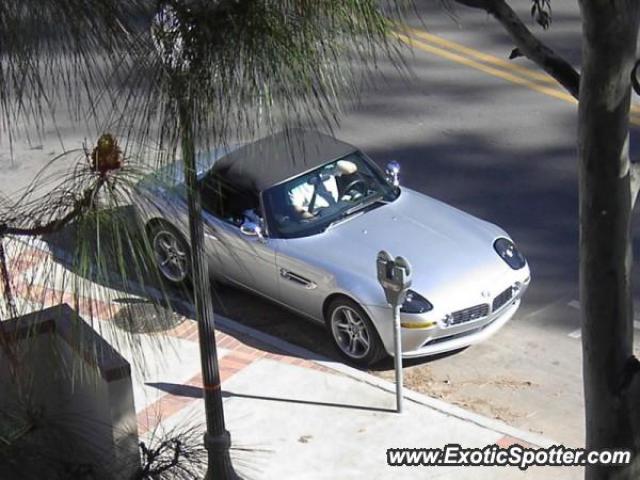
[312,202]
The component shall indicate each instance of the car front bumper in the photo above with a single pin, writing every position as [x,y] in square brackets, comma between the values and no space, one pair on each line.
[436,337]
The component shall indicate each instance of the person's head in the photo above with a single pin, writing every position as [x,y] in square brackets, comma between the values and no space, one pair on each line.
[345,167]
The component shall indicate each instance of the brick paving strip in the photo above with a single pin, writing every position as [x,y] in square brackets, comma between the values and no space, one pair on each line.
[507,441]
[29,258]
[240,355]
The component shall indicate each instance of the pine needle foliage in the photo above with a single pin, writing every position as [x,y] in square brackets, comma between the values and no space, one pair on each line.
[245,66]
[136,69]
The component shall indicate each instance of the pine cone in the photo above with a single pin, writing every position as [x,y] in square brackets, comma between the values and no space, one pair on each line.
[106,155]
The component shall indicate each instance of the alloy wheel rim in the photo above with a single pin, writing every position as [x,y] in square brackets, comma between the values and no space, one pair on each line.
[350,332]
[171,257]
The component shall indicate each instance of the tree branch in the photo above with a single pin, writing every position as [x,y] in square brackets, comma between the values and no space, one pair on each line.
[528,44]
[59,223]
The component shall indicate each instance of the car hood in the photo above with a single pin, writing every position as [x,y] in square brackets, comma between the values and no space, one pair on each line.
[446,247]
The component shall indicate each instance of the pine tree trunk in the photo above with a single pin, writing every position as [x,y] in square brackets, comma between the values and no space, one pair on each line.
[611,386]
[217,439]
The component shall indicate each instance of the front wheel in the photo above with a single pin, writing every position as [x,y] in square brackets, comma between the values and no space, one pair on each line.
[171,252]
[353,333]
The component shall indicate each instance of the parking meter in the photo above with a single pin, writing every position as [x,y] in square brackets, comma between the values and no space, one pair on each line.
[394,275]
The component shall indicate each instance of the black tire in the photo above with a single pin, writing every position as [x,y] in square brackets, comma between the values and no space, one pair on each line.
[157,232]
[338,324]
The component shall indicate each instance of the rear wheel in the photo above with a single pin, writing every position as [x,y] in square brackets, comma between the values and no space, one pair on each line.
[170,252]
[353,333]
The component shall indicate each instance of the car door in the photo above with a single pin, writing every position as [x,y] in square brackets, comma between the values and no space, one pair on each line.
[303,287]
[245,260]
[248,260]
[212,236]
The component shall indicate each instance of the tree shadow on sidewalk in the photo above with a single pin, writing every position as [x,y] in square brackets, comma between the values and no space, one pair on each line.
[141,292]
[191,391]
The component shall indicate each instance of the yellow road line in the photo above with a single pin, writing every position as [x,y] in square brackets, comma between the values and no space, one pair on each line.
[483,57]
[553,92]
[526,77]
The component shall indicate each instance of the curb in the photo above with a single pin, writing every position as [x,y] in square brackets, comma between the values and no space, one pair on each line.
[362,376]
[365,377]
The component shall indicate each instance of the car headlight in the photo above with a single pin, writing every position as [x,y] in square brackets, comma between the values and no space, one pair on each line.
[415,303]
[509,253]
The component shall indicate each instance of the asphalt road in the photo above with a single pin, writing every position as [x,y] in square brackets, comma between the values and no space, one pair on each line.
[500,144]
[496,142]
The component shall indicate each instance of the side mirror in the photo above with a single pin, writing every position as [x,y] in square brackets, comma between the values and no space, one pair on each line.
[392,171]
[251,229]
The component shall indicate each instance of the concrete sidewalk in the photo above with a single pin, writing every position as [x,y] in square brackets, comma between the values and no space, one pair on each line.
[297,416]
[291,414]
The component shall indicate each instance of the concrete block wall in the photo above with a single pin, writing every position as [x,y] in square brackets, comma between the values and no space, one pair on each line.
[81,385]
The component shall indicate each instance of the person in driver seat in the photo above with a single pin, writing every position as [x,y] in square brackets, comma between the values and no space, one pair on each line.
[319,191]
[252,215]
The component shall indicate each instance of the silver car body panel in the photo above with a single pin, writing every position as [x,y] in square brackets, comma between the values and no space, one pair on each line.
[451,252]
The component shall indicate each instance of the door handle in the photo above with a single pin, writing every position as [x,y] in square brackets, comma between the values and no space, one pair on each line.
[295,278]
[210,236]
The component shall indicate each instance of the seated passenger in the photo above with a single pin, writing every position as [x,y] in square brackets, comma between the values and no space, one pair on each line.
[320,191]
[252,215]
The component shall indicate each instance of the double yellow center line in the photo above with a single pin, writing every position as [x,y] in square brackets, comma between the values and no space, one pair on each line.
[489,64]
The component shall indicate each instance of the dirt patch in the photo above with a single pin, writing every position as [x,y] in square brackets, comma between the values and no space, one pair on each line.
[464,392]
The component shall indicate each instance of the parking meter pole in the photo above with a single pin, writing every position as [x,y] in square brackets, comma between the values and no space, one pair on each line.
[397,340]
[394,275]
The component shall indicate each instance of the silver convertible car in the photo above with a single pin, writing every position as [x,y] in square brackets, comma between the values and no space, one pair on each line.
[299,218]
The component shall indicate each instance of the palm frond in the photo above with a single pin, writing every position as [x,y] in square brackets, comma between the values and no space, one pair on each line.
[248,66]
[58,55]
[91,252]
[243,67]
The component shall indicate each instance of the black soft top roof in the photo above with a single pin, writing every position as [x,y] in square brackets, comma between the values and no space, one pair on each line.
[260,165]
